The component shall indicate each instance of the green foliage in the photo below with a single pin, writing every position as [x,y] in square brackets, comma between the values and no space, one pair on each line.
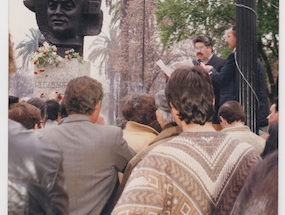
[268,26]
[180,19]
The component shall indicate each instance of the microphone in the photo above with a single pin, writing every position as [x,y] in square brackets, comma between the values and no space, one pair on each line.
[200,62]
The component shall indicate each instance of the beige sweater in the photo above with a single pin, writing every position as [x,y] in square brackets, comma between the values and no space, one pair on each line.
[243,133]
[193,173]
[138,136]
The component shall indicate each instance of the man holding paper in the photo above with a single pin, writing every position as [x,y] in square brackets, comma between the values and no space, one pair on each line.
[205,56]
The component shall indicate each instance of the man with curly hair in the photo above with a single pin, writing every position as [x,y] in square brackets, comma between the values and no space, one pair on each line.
[200,171]
[140,129]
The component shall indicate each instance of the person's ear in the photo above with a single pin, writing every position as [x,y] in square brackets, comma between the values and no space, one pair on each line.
[94,116]
[98,106]
[223,122]
[175,114]
[158,116]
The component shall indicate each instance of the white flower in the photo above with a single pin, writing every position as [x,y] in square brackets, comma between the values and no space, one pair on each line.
[45,44]
[47,55]
[54,48]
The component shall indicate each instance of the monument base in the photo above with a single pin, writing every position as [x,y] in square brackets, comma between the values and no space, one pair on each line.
[56,78]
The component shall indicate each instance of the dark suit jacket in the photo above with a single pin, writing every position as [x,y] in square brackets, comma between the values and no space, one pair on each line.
[263,110]
[92,156]
[226,80]
[217,63]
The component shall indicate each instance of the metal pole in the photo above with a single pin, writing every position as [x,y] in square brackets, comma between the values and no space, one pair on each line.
[143,46]
[246,59]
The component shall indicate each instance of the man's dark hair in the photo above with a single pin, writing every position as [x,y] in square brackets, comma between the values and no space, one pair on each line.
[140,108]
[271,144]
[232,111]
[63,112]
[26,114]
[82,94]
[39,104]
[53,109]
[234,30]
[190,92]
[203,39]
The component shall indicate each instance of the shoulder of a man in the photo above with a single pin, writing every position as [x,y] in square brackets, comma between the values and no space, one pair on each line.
[40,146]
[48,158]
[136,160]
[243,149]
[167,134]
[45,158]
[216,62]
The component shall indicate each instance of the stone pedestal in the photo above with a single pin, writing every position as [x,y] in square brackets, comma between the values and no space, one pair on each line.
[56,78]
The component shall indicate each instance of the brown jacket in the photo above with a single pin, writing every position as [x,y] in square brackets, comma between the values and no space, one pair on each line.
[163,136]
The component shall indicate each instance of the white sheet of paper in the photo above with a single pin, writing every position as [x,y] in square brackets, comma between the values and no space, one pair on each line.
[164,68]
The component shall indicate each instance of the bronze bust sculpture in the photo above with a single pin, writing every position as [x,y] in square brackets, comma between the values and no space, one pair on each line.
[64,23]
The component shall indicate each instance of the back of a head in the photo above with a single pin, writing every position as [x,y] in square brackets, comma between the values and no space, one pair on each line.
[162,106]
[37,102]
[140,108]
[160,101]
[63,112]
[82,94]
[26,114]
[232,111]
[53,109]
[190,91]
[271,144]
[259,194]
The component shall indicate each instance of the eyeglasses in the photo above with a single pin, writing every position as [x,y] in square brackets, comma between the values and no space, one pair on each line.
[201,48]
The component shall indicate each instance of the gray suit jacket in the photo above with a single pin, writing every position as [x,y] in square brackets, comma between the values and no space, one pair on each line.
[92,156]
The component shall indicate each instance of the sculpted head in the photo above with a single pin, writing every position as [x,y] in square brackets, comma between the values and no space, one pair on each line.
[64,23]
[65,17]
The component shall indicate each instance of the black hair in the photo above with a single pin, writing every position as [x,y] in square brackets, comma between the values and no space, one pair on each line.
[203,39]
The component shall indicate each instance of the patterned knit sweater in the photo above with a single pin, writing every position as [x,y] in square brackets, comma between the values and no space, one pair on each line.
[194,173]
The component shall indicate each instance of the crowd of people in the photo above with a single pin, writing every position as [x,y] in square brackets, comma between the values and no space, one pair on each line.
[184,150]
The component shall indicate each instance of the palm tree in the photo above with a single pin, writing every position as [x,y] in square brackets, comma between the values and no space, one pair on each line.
[118,9]
[103,45]
[28,46]
[116,12]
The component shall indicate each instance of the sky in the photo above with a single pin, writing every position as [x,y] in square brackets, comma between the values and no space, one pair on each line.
[17,19]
